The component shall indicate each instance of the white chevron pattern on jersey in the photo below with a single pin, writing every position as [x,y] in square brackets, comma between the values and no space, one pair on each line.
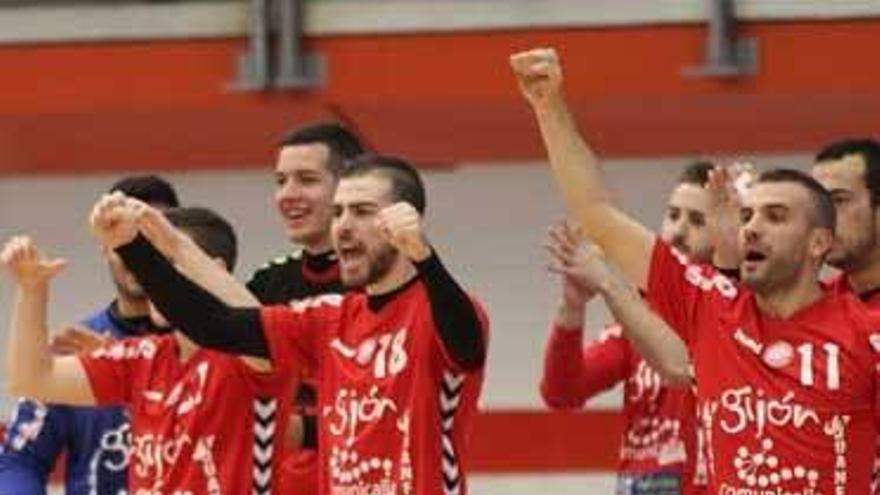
[264,444]
[450,395]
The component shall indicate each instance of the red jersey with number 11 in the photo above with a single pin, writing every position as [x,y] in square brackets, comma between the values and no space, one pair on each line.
[786,406]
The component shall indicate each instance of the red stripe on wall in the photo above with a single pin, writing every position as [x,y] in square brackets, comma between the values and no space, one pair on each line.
[536,441]
[439,98]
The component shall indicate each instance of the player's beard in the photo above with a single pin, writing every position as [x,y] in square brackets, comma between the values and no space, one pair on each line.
[860,253]
[381,263]
[777,275]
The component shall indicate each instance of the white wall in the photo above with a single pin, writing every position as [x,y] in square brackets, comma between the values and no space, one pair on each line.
[135,21]
[488,223]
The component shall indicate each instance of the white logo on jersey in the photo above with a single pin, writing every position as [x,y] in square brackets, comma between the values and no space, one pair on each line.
[387,352]
[696,276]
[764,469]
[778,354]
[742,338]
[751,408]
[302,305]
[187,394]
[351,411]
[645,382]
[145,349]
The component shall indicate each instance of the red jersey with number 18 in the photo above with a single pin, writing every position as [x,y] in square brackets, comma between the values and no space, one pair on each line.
[786,406]
[395,410]
[210,425]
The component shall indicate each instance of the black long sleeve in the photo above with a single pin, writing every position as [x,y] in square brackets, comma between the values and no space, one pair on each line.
[454,314]
[203,318]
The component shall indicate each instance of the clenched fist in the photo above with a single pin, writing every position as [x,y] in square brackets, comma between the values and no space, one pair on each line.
[539,75]
[401,225]
[114,220]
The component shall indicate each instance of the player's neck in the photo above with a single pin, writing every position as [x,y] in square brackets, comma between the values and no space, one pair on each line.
[187,347]
[401,272]
[867,277]
[783,302]
[318,246]
[132,308]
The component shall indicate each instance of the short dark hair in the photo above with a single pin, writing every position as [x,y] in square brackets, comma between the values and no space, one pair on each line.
[696,173]
[823,206]
[343,144]
[406,183]
[150,189]
[209,230]
[868,149]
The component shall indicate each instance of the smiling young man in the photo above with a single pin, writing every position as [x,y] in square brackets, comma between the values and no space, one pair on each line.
[400,361]
[307,170]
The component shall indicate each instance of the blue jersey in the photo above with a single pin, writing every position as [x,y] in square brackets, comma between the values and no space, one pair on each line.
[96,439]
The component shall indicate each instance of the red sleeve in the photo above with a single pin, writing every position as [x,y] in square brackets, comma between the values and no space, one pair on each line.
[292,331]
[677,289]
[573,374]
[111,369]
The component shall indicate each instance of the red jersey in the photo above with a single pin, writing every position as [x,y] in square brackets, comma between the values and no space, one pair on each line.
[785,405]
[395,409]
[840,284]
[210,425]
[659,440]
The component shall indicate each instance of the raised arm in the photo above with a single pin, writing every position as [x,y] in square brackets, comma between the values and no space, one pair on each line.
[574,372]
[32,370]
[189,259]
[576,168]
[460,324]
[205,319]
[658,344]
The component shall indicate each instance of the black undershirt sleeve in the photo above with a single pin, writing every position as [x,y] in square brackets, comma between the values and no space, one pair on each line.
[454,315]
[203,318]
[310,432]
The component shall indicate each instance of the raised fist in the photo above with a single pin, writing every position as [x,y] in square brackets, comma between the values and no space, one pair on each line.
[401,225]
[539,74]
[114,220]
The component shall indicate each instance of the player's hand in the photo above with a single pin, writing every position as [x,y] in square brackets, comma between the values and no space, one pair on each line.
[28,267]
[401,226]
[574,294]
[578,259]
[539,75]
[77,340]
[161,233]
[727,185]
[114,220]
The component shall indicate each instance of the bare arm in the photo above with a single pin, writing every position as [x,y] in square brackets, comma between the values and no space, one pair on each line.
[659,345]
[576,168]
[32,371]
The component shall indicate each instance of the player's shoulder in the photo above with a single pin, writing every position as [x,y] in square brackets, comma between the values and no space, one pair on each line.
[701,275]
[280,263]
